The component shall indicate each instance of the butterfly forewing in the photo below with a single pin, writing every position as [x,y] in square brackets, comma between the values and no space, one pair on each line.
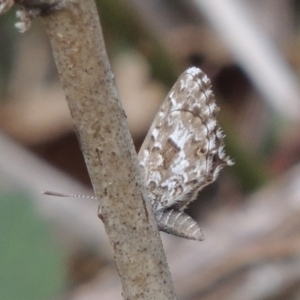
[183,150]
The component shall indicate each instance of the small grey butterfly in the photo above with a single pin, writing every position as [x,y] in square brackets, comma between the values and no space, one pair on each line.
[182,152]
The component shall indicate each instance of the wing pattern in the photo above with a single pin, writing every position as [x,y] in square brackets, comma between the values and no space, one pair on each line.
[183,152]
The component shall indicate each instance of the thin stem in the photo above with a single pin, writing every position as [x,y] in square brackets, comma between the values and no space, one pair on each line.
[100,122]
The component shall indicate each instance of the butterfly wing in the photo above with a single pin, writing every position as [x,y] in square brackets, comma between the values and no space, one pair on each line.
[183,150]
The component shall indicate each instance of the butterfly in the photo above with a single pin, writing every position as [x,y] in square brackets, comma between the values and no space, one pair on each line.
[182,152]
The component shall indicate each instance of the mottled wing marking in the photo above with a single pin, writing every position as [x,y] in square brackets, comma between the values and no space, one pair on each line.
[183,150]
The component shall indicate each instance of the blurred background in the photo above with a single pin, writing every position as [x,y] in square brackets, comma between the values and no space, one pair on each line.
[56,248]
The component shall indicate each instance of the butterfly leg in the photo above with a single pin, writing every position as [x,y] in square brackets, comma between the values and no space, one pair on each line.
[99,213]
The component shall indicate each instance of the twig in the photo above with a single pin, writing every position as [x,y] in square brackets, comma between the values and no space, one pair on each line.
[76,38]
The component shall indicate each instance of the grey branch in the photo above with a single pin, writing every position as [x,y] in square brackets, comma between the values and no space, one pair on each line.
[100,122]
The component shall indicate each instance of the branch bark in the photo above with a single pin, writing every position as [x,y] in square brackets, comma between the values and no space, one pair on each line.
[100,122]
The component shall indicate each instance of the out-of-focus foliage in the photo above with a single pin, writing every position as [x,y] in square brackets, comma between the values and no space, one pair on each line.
[31,263]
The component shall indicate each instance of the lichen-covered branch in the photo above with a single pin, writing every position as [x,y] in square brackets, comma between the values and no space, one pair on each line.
[100,122]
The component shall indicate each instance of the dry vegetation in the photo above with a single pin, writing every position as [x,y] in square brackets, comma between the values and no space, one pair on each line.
[250,217]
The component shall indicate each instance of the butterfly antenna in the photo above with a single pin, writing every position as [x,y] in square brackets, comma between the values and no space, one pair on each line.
[49,193]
